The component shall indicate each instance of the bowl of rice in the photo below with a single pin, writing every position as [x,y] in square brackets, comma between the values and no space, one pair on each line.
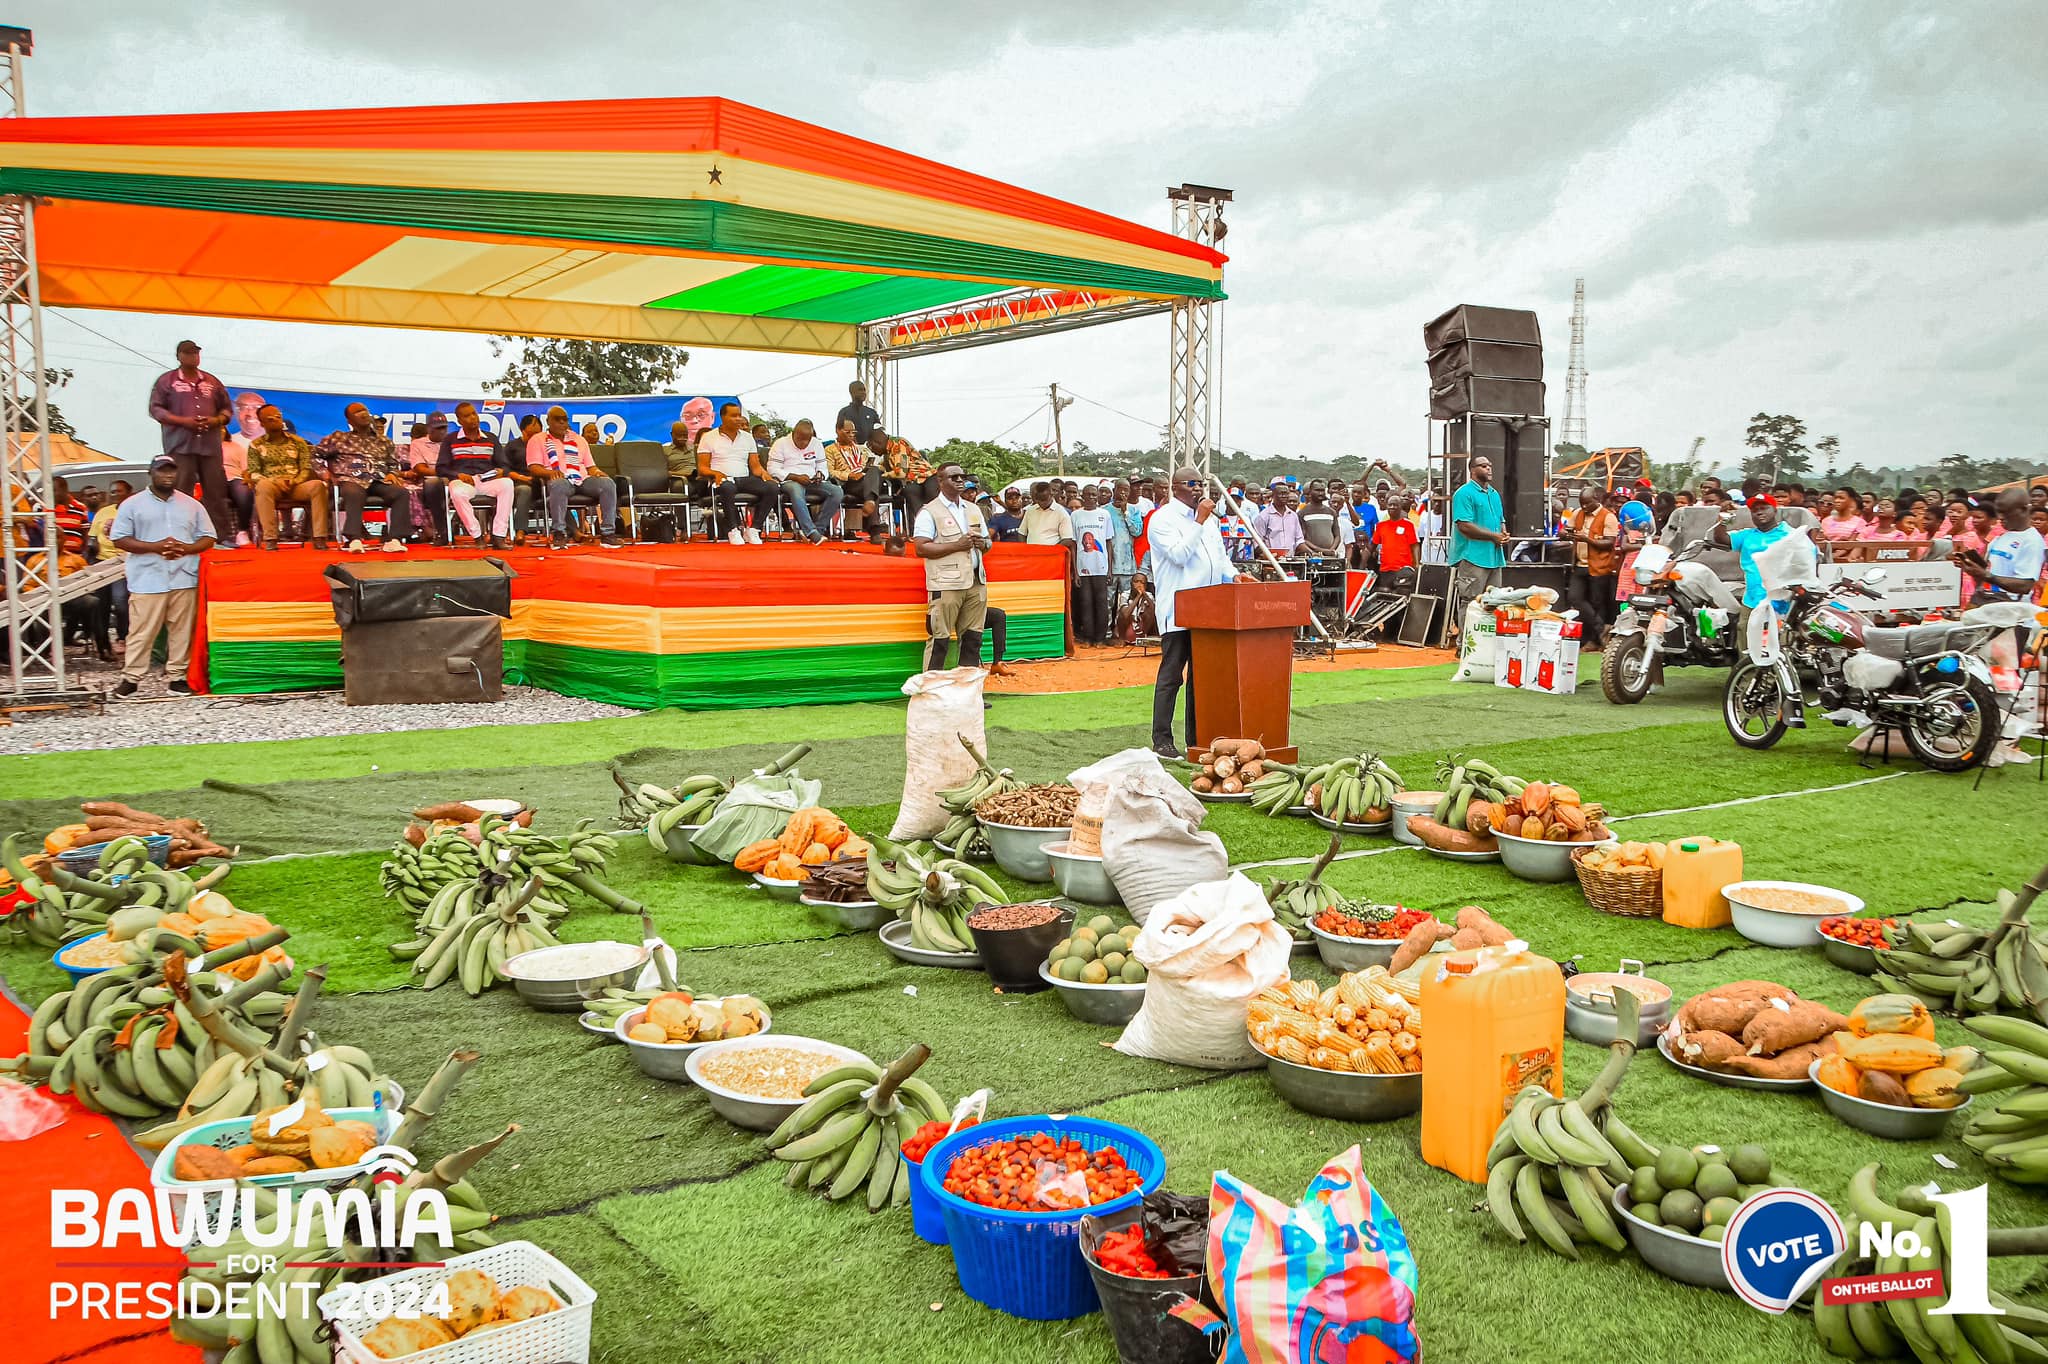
[1785,913]
[755,1082]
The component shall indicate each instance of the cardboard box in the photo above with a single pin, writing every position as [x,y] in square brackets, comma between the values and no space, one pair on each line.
[1510,648]
[1553,658]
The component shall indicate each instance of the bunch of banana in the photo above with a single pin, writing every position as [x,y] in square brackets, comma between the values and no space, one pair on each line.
[125,1041]
[69,906]
[1296,903]
[1279,790]
[1552,1160]
[417,876]
[963,832]
[933,894]
[480,927]
[695,801]
[1466,780]
[2010,1131]
[849,1133]
[262,1334]
[1910,1328]
[2003,968]
[691,802]
[1345,789]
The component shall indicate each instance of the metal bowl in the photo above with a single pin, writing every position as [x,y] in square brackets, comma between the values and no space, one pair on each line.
[1342,1094]
[1589,1004]
[751,1111]
[781,890]
[1776,927]
[599,1024]
[895,936]
[1110,1005]
[1303,947]
[1449,856]
[681,849]
[1850,956]
[1353,954]
[1732,1081]
[1079,876]
[1222,797]
[1884,1120]
[1536,859]
[1299,810]
[1674,1254]
[854,916]
[1350,828]
[1408,803]
[1020,849]
[551,993]
[666,1060]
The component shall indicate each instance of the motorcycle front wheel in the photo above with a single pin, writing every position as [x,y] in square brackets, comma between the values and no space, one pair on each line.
[1625,669]
[1753,705]
[1957,731]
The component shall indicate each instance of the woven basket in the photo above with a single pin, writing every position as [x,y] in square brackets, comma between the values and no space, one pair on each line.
[1631,896]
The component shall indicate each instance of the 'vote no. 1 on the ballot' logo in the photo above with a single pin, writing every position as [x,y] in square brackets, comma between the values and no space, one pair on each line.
[1778,1244]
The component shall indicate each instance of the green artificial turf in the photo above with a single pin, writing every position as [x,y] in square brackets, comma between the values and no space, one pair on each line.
[681,1222]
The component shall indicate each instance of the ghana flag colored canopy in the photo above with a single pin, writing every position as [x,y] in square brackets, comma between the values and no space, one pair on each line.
[685,221]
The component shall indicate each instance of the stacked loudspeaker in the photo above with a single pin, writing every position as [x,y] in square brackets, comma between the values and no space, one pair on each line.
[1486,383]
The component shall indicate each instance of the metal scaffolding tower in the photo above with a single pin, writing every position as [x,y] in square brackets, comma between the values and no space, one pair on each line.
[1573,429]
[34,620]
[1191,359]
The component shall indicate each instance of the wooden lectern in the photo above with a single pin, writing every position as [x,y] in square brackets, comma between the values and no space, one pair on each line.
[1243,645]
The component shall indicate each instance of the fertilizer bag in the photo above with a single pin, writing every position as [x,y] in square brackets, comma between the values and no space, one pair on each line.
[945,709]
[1208,952]
[1153,847]
[1329,1279]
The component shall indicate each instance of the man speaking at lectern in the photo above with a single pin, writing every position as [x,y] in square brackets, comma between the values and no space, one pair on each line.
[1187,552]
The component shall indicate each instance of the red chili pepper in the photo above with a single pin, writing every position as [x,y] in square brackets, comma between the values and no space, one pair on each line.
[1123,1252]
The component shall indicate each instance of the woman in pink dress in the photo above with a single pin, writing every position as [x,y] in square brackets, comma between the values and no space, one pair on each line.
[1844,520]
[1883,526]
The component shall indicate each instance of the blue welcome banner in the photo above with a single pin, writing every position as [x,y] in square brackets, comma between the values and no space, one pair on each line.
[628,417]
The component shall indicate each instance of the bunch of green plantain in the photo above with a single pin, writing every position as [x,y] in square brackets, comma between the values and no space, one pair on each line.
[2010,1130]
[689,803]
[417,876]
[1279,789]
[1295,904]
[262,1334]
[2000,969]
[963,833]
[934,894]
[1466,780]
[1555,1163]
[849,1134]
[70,906]
[1357,790]
[470,931]
[1911,1328]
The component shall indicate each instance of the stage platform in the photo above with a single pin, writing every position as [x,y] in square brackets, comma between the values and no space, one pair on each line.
[700,626]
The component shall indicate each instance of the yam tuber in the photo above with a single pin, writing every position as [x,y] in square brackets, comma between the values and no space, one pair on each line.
[1776,1029]
[1420,939]
[1790,1064]
[1491,934]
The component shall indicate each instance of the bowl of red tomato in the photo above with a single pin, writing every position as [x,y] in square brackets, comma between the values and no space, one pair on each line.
[1363,936]
[1852,943]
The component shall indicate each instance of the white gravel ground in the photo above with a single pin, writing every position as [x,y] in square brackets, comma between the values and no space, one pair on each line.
[152,716]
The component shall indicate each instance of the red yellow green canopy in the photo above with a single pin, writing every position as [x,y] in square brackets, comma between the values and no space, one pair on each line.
[685,221]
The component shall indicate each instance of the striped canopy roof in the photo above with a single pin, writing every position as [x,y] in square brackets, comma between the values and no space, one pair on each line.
[685,221]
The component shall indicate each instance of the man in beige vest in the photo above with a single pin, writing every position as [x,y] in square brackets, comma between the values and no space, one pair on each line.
[950,536]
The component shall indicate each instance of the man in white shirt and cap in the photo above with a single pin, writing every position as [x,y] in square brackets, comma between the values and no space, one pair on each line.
[1187,552]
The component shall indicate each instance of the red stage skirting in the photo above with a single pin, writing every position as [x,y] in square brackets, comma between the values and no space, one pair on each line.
[698,626]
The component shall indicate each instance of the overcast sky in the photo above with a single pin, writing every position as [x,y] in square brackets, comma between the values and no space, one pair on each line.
[1838,210]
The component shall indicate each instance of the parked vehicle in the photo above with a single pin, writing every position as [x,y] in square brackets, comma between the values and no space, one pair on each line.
[1683,614]
[1930,683]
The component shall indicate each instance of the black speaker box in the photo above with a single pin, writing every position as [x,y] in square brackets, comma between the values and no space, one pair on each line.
[1487,436]
[1525,511]
[1489,359]
[1498,397]
[1468,322]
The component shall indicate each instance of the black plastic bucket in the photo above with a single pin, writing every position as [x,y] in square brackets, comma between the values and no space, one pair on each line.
[1012,956]
[1137,1309]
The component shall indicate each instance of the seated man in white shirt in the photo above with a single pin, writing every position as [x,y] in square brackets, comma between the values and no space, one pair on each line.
[796,462]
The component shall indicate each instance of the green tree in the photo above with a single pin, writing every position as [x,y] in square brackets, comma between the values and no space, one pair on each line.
[1829,448]
[547,367]
[777,427]
[1780,443]
[53,379]
[989,464]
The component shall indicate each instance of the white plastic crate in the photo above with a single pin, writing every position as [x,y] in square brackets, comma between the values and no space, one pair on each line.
[558,1337]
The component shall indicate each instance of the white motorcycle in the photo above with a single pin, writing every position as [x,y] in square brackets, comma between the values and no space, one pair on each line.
[1680,615]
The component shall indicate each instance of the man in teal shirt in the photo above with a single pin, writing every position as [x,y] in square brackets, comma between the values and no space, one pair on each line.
[1478,531]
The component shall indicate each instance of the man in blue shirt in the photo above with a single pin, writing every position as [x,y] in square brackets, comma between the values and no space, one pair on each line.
[161,533]
[1478,533]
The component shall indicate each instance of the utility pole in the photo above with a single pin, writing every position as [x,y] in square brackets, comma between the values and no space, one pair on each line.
[1059,443]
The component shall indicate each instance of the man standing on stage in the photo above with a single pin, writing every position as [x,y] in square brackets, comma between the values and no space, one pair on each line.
[1187,552]
[950,536]
[192,408]
[1478,532]
[864,418]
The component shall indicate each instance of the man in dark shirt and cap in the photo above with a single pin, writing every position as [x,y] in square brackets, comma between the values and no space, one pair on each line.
[192,407]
